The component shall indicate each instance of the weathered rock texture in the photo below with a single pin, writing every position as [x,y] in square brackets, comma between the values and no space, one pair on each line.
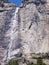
[5,17]
[33,25]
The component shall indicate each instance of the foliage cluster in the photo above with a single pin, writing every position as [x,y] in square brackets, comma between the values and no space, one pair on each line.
[13,62]
[39,62]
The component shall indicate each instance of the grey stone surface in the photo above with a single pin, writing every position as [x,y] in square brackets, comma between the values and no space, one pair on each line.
[34,27]
[32,23]
[5,20]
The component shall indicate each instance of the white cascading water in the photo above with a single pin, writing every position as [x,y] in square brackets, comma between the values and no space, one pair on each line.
[12,34]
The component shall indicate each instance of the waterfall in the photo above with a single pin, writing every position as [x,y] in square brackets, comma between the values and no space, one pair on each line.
[13,33]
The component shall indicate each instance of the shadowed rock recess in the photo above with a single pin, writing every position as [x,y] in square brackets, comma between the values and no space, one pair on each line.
[27,30]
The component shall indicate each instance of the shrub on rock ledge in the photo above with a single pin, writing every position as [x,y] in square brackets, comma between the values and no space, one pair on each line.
[13,62]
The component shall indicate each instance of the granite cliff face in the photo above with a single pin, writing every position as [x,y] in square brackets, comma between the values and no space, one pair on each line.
[34,27]
[5,18]
[30,23]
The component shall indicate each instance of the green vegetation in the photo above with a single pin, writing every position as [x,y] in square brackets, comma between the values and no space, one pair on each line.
[13,62]
[39,62]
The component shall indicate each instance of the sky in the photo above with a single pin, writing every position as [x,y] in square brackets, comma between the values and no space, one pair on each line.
[17,2]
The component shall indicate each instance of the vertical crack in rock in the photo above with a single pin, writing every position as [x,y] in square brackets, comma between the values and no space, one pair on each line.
[34,19]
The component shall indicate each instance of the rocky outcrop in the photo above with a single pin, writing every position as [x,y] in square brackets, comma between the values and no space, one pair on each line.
[5,18]
[32,21]
[34,26]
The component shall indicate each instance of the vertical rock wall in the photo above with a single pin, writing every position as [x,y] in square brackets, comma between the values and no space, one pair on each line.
[5,20]
[34,27]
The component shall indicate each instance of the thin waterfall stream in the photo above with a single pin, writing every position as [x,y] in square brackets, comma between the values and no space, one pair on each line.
[13,34]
